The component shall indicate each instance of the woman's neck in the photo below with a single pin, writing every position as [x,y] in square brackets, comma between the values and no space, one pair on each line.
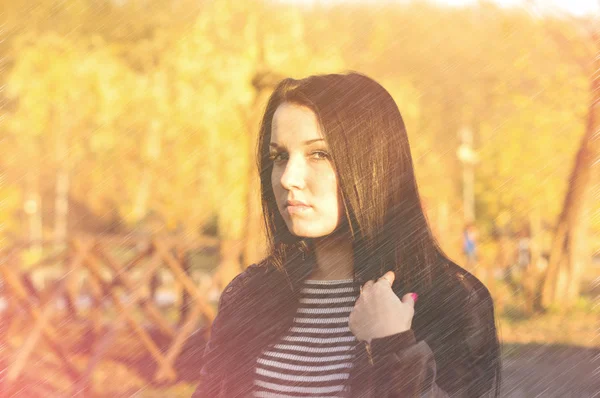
[334,257]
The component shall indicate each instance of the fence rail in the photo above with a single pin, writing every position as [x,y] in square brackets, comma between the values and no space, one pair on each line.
[109,284]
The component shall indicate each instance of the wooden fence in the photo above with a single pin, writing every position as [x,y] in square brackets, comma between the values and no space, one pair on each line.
[108,284]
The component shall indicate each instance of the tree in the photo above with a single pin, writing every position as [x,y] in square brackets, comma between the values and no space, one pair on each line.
[570,253]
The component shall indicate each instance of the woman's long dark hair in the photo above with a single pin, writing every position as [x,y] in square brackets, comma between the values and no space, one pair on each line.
[371,156]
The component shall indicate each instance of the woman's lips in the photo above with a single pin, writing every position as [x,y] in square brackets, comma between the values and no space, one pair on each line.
[297,209]
[292,202]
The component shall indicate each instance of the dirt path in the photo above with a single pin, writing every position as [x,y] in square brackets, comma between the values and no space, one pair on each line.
[548,371]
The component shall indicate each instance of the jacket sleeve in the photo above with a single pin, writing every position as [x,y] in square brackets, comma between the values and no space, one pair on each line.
[408,368]
[405,367]
[214,362]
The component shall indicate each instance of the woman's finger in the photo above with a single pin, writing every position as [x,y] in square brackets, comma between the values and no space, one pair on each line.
[368,285]
[410,299]
[389,278]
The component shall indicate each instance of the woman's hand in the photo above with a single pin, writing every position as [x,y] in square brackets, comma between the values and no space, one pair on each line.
[378,312]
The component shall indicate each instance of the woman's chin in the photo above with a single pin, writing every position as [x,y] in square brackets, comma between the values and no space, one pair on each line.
[302,232]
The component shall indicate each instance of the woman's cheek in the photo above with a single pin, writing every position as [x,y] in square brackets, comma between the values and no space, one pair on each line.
[276,180]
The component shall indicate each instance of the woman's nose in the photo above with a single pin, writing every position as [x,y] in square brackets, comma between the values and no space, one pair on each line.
[294,174]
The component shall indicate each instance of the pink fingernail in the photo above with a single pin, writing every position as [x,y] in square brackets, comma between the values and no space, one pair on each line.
[415,296]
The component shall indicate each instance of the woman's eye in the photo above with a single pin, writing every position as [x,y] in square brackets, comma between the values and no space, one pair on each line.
[281,156]
[320,155]
[275,157]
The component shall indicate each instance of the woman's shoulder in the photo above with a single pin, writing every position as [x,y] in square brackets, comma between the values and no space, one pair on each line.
[475,291]
[240,282]
[241,279]
[476,302]
[475,316]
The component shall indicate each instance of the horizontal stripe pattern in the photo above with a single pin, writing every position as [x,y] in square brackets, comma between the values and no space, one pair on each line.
[314,358]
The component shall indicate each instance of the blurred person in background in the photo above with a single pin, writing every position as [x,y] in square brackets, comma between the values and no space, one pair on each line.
[523,250]
[470,245]
[356,298]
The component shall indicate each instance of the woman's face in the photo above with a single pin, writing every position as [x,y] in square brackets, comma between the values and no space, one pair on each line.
[303,172]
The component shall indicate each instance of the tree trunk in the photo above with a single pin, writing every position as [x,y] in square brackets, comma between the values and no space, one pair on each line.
[61,198]
[255,240]
[531,274]
[254,245]
[152,154]
[61,207]
[569,254]
[32,206]
[442,222]
[141,199]
[229,264]
[254,235]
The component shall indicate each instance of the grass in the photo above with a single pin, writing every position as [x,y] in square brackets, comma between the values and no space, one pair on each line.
[575,328]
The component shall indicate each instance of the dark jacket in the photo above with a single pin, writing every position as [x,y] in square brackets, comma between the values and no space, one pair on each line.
[444,354]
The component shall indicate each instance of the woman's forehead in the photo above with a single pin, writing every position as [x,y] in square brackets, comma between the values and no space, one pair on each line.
[294,124]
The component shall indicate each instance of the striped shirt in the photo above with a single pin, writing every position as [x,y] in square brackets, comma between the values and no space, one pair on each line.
[314,358]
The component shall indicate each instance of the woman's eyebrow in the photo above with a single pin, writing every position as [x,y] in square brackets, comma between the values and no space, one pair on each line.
[275,145]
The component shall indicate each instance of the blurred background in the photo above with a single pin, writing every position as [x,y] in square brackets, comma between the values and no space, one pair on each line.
[129,195]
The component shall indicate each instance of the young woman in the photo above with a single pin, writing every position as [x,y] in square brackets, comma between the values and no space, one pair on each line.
[356,298]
